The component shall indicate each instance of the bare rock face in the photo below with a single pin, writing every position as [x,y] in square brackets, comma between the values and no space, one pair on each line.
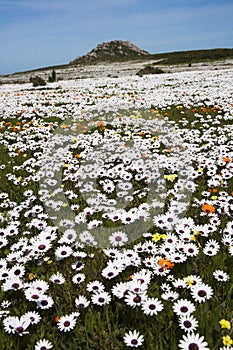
[112,50]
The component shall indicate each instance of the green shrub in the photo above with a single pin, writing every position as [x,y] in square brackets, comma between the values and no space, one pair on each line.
[52,77]
[37,81]
[149,69]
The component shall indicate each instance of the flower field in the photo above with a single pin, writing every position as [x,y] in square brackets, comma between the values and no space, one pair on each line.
[116,220]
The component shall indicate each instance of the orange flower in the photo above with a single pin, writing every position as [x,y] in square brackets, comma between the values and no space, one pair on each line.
[208,208]
[204,109]
[227,160]
[16,129]
[100,124]
[78,156]
[165,263]
[212,190]
[57,319]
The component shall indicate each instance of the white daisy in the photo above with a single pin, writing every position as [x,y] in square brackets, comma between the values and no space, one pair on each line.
[57,278]
[78,278]
[201,292]
[221,276]
[133,339]
[183,307]
[118,238]
[66,323]
[188,323]
[151,306]
[43,344]
[82,302]
[95,287]
[101,298]
[193,341]
[32,316]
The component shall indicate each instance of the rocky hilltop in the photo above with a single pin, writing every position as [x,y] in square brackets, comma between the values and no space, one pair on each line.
[112,50]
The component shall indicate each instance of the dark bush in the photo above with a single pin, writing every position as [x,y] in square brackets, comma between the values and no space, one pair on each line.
[52,77]
[149,70]
[37,81]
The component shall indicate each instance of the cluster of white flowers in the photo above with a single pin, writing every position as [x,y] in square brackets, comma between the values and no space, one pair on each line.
[95,165]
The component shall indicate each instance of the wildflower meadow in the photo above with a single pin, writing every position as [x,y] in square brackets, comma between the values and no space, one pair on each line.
[116,219]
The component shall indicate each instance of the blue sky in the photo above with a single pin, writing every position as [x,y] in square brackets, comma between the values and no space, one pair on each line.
[40,33]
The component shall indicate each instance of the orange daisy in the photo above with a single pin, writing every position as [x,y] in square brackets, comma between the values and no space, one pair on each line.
[208,208]
[165,263]
[227,160]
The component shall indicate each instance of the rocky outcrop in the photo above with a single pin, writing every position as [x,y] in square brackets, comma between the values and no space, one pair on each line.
[110,51]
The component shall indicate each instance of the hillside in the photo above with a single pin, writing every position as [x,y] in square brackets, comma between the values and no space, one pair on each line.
[122,58]
[194,56]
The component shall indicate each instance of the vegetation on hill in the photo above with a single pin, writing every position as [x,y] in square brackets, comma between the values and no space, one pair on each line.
[193,56]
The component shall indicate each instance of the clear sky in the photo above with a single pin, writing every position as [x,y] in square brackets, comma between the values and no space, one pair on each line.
[40,33]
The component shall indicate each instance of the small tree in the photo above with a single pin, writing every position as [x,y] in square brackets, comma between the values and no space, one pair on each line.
[52,77]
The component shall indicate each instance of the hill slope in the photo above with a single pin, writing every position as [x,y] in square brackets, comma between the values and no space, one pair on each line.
[120,58]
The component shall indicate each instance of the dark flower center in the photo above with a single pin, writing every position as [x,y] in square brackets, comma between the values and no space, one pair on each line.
[152,307]
[35,296]
[187,324]
[41,247]
[101,300]
[134,341]
[79,264]
[202,293]
[66,323]
[137,299]
[193,346]
[183,309]
[20,329]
